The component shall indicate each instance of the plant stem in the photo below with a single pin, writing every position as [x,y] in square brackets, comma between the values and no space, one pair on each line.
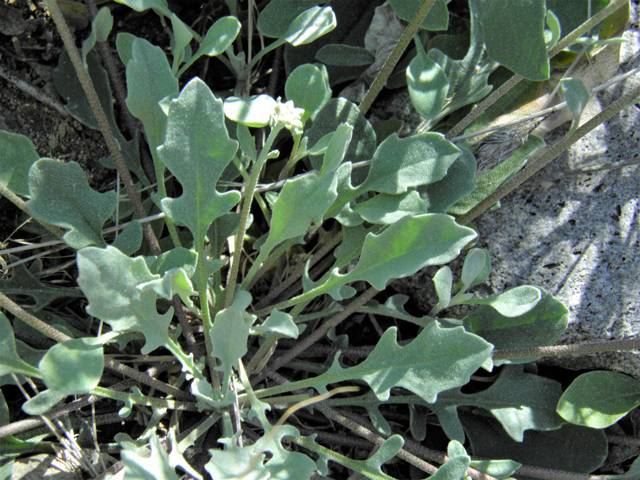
[538,163]
[143,400]
[561,350]
[244,215]
[26,317]
[320,332]
[96,107]
[380,80]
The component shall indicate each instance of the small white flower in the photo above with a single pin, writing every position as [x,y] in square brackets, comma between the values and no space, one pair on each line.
[290,116]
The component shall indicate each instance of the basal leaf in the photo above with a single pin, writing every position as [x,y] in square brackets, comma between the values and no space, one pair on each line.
[404,248]
[156,466]
[60,195]
[17,154]
[344,55]
[454,469]
[197,149]
[599,399]
[100,28]
[514,302]
[427,85]
[301,204]
[42,402]
[310,25]
[219,36]
[110,280]
[180,40]
[436,19]
[386,209]
[332,114]
[73,367]
[570,448]
[308,87]
[540,326]
[254,111]
[158,6]
[443,281]
[514,36]
[276,17]
[149,80]
[10,362]
[436,360]
[130,239]
[476,267]
[402,163]
[280,323]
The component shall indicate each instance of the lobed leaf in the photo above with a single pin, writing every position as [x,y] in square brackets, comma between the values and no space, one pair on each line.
[402,249]
[60,195]
[111,280]
[197,149]
[425,366]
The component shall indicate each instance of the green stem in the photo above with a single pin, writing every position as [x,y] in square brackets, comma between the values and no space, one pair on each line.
[259,267]
[293,158]
[394,56]
[162,193]
[96,107]
[538,163]
[142,400]
[244,215]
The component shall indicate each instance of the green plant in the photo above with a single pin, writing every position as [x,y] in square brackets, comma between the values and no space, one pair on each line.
[345,214]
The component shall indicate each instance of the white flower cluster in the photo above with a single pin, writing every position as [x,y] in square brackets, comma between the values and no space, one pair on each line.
[290,116]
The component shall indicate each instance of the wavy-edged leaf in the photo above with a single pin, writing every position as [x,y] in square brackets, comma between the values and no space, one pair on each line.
[230,333]
[197,149]
[519,401]
[386,209]
[599,399]
[438,359]
[110,280]
[60,195]
[308,87]
[402,249]
[403,163]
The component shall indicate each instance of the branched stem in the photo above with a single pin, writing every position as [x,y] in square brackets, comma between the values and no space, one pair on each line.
[244,215]
[96,107]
